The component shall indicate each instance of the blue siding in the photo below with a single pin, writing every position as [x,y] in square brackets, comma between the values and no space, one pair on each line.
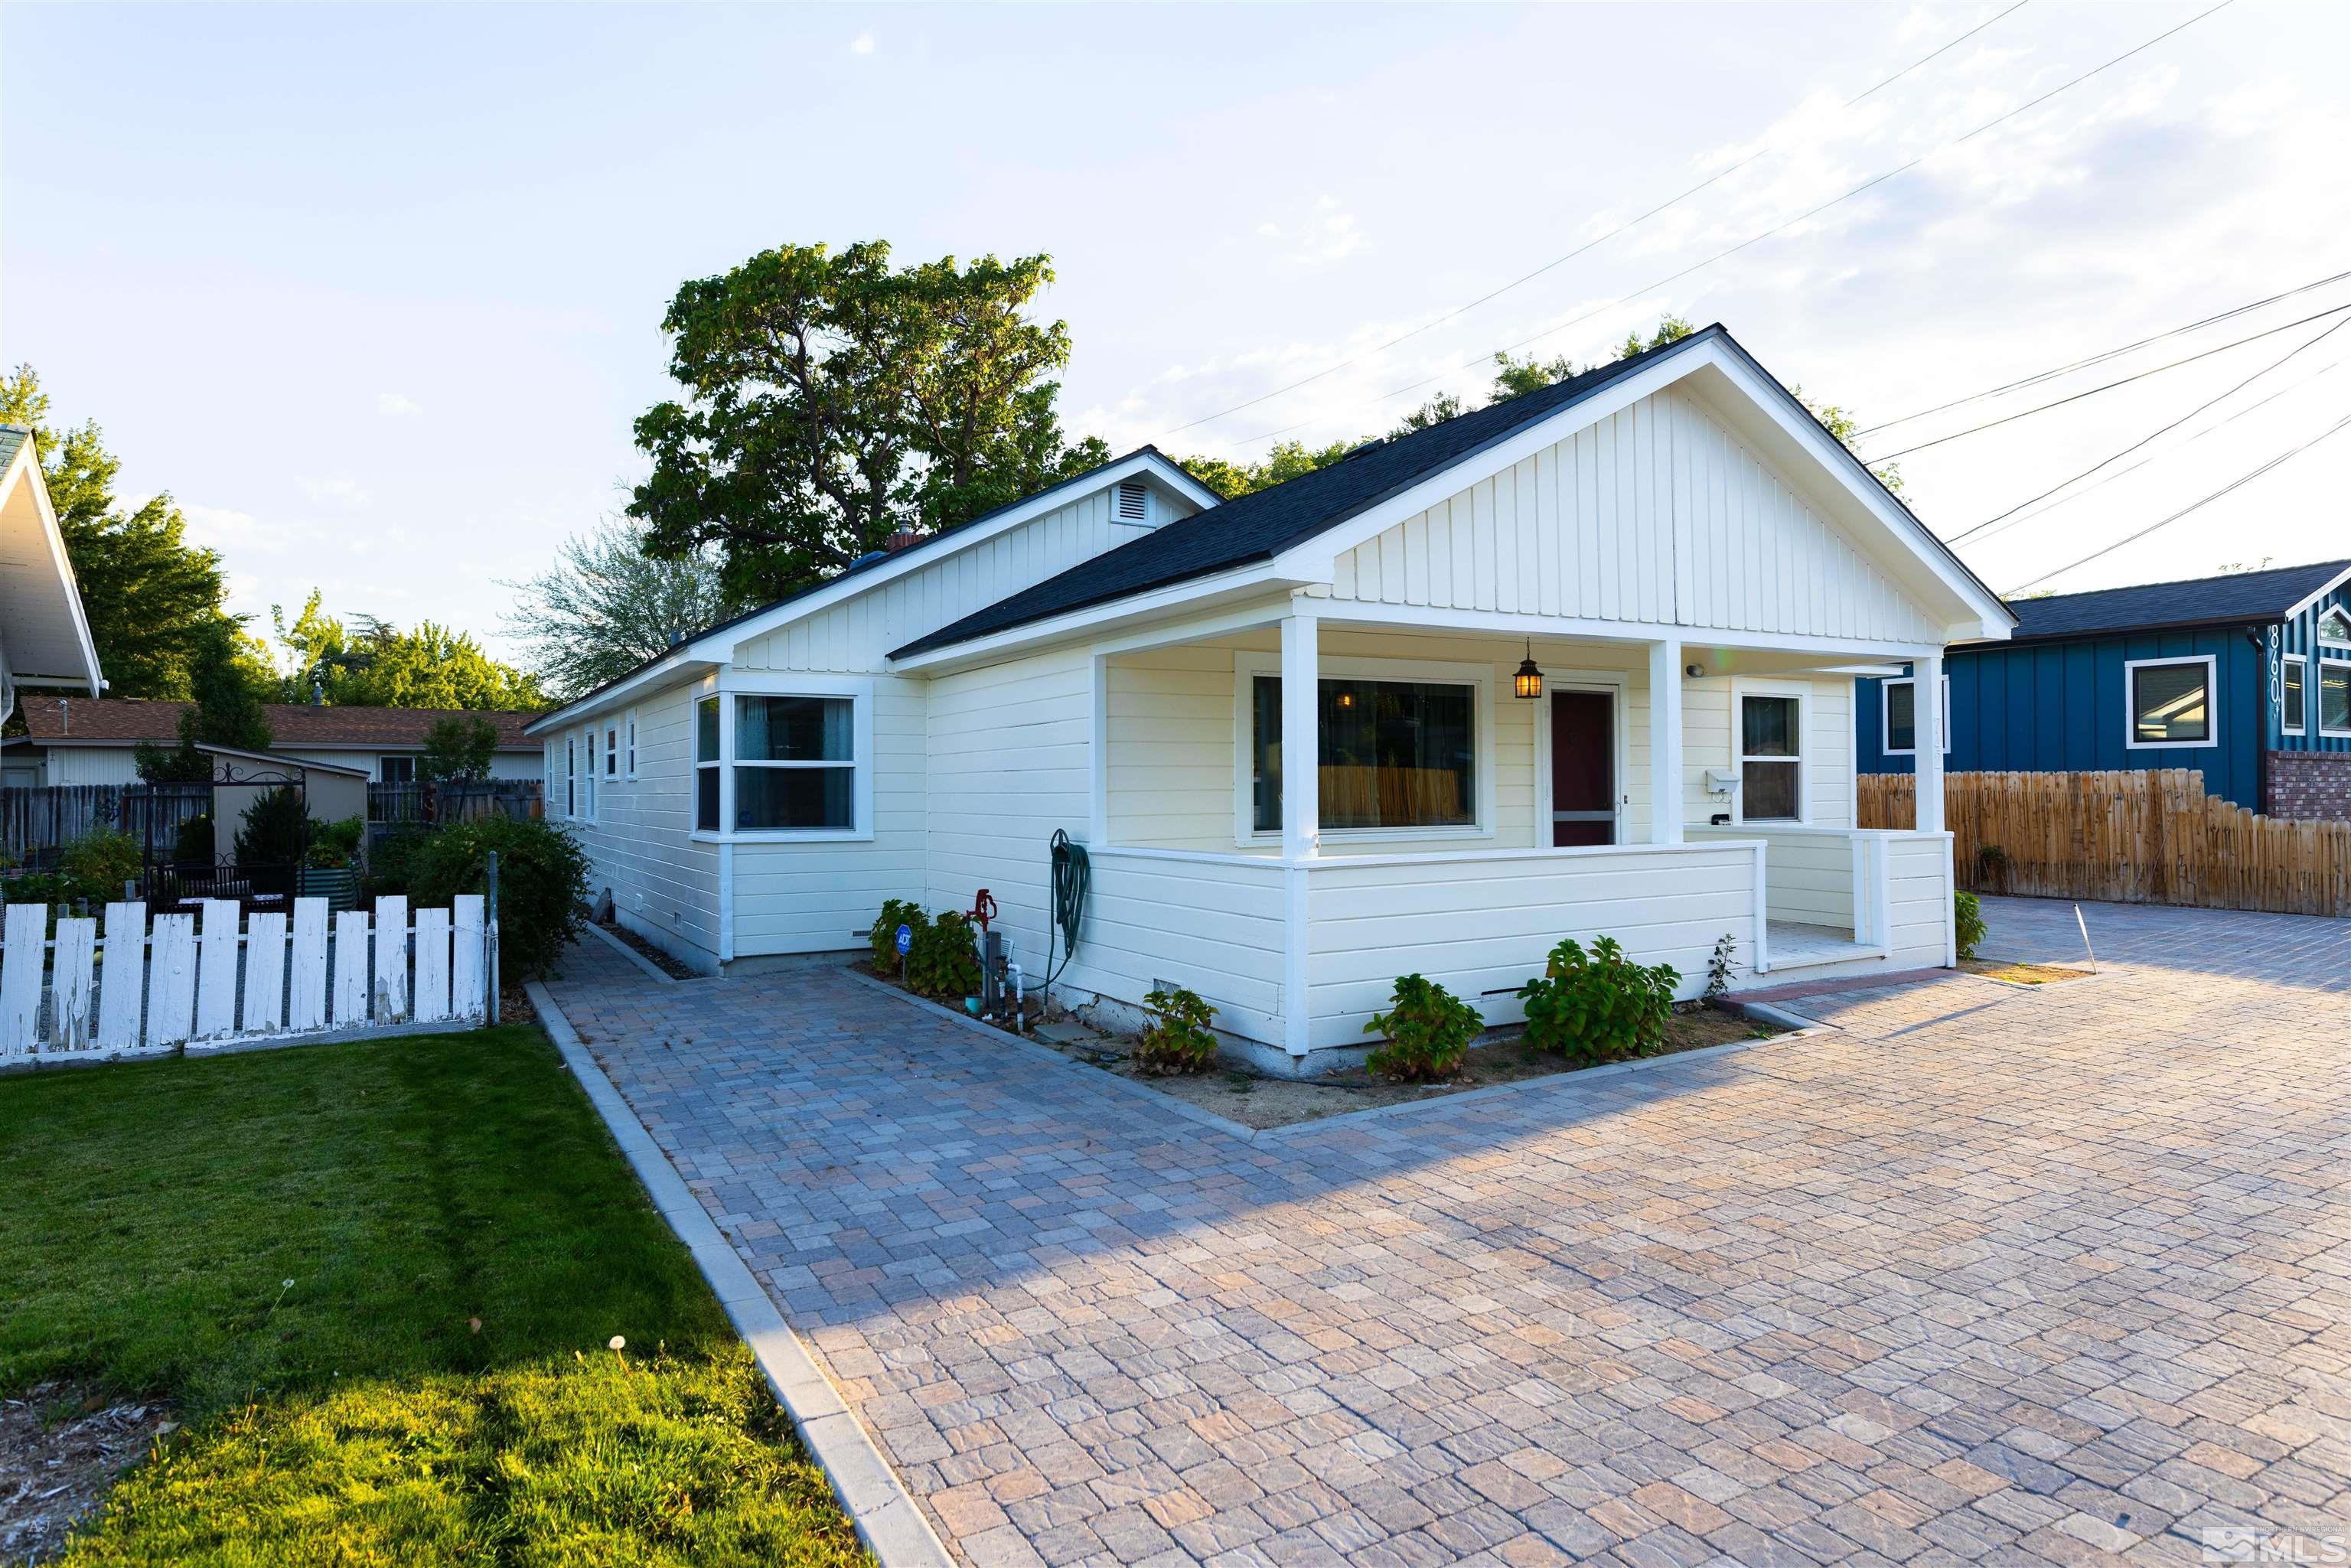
[2058,707]
[2300,635]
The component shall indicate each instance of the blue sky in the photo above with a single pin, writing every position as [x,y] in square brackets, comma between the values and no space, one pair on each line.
[375,291]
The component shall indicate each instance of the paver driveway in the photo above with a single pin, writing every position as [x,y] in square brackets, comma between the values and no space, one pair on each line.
[1985,1274]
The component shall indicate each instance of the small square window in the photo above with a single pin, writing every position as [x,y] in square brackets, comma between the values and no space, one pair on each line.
[2171,702]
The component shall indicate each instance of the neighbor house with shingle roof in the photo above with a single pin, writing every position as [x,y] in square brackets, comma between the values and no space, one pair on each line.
[1582,663]
[2244,677]
[84,740]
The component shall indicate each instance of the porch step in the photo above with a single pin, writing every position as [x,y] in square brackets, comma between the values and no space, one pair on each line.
[1794,945]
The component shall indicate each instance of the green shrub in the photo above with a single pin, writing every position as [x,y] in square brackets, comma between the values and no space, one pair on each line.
[391,863]
[883,937]
[542,883]
[945,963]
[1427,1027]
[1599,1006]
[192,841]
[1967,912]
[96,865]
[1179,1038]
[335,845]
[272,834]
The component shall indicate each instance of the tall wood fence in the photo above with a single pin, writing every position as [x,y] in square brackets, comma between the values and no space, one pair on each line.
[131,987]
[36,821]
[2151,836]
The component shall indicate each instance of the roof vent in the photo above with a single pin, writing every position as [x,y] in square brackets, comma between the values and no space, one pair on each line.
[1133,501]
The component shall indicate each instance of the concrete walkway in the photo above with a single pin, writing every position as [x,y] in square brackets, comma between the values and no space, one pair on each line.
[1985,1274]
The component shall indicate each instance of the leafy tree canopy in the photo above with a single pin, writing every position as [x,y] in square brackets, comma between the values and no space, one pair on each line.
[151,597]
[229,686]
[459,749]
[1286,461]
[832,401]
[608,604]
[373,664]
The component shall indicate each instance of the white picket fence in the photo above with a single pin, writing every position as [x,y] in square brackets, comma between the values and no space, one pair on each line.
[136,991]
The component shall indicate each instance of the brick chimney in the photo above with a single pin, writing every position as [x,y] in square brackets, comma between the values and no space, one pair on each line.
[901,540]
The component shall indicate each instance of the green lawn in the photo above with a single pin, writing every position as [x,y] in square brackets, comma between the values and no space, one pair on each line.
[379,1279]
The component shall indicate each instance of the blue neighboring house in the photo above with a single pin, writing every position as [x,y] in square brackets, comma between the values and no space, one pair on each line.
[2246,676]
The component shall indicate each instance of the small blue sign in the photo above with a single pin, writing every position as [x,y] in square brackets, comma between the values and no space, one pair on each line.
[906,939]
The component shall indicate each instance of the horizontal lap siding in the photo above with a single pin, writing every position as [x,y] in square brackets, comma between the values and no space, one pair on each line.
[1007,764]
[1216,929]
[1707,742]
[1655,514]
[665,886]
[1807,877]
[1478,926]
[819,898]
[1919,899]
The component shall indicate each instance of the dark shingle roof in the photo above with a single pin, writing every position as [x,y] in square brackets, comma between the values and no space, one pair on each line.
[126,721]
[2237,596]
[1258,526]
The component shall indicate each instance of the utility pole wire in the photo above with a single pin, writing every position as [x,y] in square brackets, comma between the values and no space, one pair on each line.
[2133,539]
[1713,179]
[2098,359]
[2110,386]
[2306,343]
[1766,234]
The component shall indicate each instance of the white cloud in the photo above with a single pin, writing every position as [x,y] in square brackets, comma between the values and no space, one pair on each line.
[1324,234]
[862,45]
[343,491]
[396,405]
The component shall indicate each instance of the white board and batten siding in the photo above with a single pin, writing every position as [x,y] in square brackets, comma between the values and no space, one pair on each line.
[1477,924]
[209,978]
[1209,923]
[1656,514]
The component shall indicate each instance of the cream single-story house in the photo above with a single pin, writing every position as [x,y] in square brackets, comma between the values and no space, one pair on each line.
[45,640]
[1688,569]
[78,740]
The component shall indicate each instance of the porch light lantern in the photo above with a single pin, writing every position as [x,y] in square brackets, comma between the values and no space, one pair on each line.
[1528,681]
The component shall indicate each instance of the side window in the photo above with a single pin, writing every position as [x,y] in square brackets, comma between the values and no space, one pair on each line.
[2293,702]
[1770,761]
[629,731]
[2170,700]
[706,765]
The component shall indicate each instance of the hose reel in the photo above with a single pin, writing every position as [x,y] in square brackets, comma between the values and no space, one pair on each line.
[1072,879]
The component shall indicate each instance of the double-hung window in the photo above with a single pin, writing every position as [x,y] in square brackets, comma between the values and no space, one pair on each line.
[706,765]
[2170,701]
[571,776]
[2293,700]
[1771,758]
[1396,754]
[2334,694]
[612,751]
[629,729]
[587,776]
[795,763]
[1901,716]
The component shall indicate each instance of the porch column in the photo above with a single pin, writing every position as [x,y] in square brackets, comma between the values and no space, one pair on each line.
[1666,806]
[1301,813]
[1927,715]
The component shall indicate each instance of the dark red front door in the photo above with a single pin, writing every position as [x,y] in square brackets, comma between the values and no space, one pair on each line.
[1583,769]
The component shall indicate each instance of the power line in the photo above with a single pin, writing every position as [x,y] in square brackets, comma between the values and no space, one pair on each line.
[1714,178]
[2138,376]
[2193,505]
[1776,228]
[2083,364]
[2306,343]
[2157,457]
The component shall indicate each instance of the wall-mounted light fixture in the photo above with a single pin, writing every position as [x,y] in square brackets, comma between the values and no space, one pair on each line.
[1528,681]
[1695,672]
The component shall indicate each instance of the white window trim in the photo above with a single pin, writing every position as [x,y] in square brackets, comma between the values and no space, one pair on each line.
[2319,694]
[1885,745]
[629,729]
[733,684]
[695,765]
[2131,668]
[1741,688]
[1248,666]
[588,775]
[610,730]
[2302,663]
[571,778]
[2319,631]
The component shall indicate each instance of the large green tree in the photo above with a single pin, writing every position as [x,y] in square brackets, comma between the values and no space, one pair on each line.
[151,597]
[831,401]
[373,664]
[608,604]
[1287,460]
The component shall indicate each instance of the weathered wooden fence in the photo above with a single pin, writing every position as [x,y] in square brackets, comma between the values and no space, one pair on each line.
[139,990]
[34,821]
[2150,837]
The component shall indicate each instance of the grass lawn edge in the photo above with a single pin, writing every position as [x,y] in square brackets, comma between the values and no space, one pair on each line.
[884,1515]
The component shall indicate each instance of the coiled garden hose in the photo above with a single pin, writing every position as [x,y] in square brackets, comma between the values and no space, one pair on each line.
[1073,876]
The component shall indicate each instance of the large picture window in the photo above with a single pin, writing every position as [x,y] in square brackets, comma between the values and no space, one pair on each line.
[1394,754]
[1771,759]
[795,762]
[2335,696]
[2170,700]
[706,765]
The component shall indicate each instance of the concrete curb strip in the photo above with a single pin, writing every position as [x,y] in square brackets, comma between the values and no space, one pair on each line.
[660,975]
[887,1520]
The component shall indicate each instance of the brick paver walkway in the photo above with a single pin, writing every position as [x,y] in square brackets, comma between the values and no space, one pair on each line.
[1985,1275]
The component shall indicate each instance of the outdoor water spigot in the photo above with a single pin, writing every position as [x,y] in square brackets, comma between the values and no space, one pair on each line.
[983,910]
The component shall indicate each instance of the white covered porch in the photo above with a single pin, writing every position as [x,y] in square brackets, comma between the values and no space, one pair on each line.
[1294,916]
